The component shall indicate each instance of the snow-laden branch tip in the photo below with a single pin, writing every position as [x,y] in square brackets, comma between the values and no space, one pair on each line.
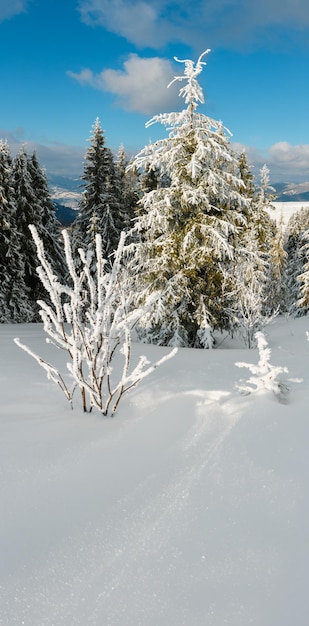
[191,70]
[192,91]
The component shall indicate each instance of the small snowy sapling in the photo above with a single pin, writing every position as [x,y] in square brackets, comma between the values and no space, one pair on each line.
[265,377]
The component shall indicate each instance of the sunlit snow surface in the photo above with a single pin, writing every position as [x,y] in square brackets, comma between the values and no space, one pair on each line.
[284,210]
[188,508]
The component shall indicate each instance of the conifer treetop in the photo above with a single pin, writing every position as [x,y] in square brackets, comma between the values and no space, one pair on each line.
[192,91]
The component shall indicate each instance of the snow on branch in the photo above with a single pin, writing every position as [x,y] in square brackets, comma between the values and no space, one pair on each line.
[192,91]
[265,377]
[92,320]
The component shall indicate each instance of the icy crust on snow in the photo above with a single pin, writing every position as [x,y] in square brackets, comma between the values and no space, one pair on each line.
[190,507]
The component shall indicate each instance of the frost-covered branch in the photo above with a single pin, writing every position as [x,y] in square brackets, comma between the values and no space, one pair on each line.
[192,91]
[92,321]
[52,372]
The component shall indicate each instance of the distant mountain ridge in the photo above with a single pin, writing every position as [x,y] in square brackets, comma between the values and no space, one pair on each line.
[67,183]
[65,190]
[70,189]
[292,192]
[66,193]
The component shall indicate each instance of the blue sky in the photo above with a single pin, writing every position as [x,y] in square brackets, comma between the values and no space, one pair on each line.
[62,64]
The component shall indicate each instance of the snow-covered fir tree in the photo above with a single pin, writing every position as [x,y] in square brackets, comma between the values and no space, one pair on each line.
[245,277]
[264,225]
[303,278]
[99,210]
[276,271]
[246,301]
[6,209]
[50,227]
[14,295]
[189,227]
[245,173]
[269,243]
[296,259]
[127,180]
[29,211]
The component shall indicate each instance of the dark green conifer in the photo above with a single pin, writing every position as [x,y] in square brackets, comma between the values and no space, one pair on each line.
[28,211]
[99,209]
[14,294]
[50,228]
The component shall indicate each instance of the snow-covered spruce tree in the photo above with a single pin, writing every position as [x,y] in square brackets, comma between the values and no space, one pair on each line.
[270,243]
[264,225]
[256,273]
[127,181]
[303,278]
[245,173]
[188,228]
[246,301]
[93,332]
[14,300]
[296,259]
[5,228]
[276,272]
[50,227]
[99,209]
[28,211]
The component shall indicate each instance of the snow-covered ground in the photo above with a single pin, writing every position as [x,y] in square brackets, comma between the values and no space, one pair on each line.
[189,508]
[284,210]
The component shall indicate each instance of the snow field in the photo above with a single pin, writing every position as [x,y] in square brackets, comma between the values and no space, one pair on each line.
[189,507]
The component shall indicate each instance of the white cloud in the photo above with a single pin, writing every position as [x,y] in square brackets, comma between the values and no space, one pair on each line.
[293,161]
[200,24]
[295,156]
[135,20]
[56,158]
[8,8]
[140,87]
[139,22]
[86,77]
[59,158]
[285,162]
